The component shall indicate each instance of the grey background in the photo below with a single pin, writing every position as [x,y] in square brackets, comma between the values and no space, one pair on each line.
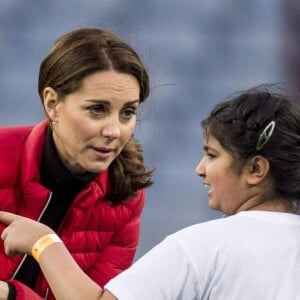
[197,53]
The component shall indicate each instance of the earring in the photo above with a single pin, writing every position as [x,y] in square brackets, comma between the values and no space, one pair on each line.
[52,122]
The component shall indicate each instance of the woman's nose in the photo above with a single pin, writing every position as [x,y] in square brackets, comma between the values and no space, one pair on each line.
[111,130]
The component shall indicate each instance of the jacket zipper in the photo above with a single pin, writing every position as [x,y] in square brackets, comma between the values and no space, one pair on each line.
[46,294]
[24,257]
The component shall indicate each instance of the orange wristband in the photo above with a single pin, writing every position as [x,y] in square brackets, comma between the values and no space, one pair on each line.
[42,243]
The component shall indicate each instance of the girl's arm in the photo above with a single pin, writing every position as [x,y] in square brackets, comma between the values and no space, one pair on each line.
[66,279]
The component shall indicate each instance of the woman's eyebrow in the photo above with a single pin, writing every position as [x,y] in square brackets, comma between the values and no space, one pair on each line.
[109,102]
[133,102]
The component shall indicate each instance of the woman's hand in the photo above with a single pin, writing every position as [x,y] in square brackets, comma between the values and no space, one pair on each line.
[3,290]
[21,233]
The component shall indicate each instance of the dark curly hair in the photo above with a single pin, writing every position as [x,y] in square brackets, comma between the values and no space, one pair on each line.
[237,124]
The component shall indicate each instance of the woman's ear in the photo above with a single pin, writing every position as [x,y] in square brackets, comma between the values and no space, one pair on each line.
[50,101]
[258,168]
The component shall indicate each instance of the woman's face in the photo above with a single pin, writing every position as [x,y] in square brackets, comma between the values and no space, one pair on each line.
[92,125]
[227,189]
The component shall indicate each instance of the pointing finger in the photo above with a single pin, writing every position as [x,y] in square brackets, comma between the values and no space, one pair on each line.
[7,218]
[4,234]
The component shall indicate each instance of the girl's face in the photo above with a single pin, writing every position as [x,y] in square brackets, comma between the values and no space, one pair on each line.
[227,189]
[92,125]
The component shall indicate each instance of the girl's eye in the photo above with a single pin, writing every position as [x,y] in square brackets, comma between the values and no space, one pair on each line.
[97,109]
[210,156]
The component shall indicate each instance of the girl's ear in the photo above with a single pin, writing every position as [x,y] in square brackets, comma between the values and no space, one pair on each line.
[50,101]
[257,169]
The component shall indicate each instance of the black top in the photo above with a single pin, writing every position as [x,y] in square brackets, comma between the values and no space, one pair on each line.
[64,186]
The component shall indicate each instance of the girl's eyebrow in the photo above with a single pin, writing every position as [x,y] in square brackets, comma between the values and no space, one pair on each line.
[206,148]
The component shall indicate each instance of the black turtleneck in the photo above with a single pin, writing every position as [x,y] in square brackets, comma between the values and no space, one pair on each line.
[64,186]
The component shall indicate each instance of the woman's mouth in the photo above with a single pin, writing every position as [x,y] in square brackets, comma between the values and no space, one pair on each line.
[103,152]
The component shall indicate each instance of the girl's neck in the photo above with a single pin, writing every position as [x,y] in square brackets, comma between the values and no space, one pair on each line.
[277,205]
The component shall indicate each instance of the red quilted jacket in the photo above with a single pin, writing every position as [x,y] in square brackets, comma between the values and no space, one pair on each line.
[101,238]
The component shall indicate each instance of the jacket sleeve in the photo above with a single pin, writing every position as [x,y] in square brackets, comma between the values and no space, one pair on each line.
[119,253]
[23,292]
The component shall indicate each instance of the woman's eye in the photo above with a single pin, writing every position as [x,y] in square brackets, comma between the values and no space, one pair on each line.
[97,109]
[128,113]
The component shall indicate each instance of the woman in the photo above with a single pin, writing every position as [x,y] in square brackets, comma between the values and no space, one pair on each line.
[251,166]
[80,171]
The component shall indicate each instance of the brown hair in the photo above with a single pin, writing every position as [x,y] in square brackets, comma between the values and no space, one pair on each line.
[83,52]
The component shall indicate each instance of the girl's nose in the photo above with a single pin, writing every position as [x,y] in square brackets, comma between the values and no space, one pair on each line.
[200,170]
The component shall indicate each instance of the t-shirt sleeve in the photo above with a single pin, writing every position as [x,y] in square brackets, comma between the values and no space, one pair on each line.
[165,272]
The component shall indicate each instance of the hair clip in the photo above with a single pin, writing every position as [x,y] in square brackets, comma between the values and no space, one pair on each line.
[265,135]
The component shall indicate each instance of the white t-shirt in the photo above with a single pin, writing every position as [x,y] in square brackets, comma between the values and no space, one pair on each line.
[253,255]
